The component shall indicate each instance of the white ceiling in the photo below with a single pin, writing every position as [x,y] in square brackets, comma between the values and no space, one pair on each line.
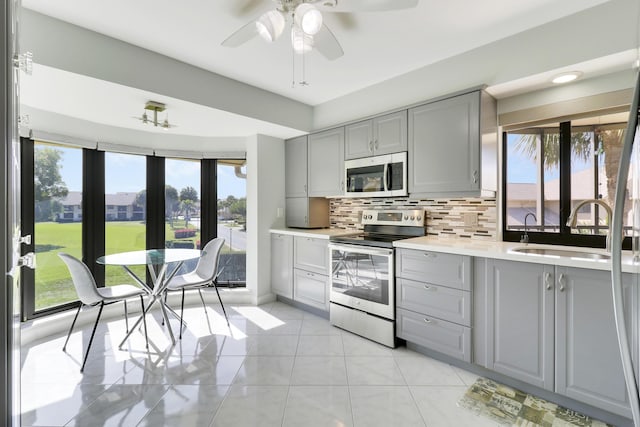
[378,47]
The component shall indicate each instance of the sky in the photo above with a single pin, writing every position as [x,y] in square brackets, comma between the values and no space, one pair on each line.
[127,173]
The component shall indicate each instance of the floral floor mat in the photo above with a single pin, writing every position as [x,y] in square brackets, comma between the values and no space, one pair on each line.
[510,407]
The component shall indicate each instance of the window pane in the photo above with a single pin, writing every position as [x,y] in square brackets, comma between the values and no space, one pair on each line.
[58,221]
[533,179]
[232,218]
[182,207]
[125,229]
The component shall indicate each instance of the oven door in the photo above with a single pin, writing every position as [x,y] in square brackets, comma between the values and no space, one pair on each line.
[363,278]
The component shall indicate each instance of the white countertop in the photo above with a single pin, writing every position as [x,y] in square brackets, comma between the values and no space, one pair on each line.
[504,250]
[319,233]
[483,248]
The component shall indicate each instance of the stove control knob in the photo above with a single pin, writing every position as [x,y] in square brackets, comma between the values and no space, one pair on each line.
[412,217]
[418,217]
[406,217]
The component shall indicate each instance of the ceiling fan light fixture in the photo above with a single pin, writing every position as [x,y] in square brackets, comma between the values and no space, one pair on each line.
[566,77]
[165,124]
[145,118]
[301,41]
[270,25]
[308,18]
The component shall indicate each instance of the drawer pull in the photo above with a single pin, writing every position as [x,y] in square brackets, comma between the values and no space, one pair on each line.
[430,255]
[429,288]
[427,320]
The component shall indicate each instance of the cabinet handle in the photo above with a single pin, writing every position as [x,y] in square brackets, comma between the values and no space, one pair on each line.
[547,281]
[305,188]
[310,274]
[305,219]
[371,146]
[375,144]
[342,185]
[562,282]
[475,176]
[429,288]
[426,320]
[430,255]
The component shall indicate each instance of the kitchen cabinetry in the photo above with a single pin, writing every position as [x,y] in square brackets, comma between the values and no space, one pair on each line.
[433,301]
[311,272]
[553,327]
[381,135]
[282,264]
[326,163]
[295,167]
[453,146]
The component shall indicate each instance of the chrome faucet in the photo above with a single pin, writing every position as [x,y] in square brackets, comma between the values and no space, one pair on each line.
[573,216]
[525,237]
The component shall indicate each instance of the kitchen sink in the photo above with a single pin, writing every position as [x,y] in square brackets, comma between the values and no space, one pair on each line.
[569,253]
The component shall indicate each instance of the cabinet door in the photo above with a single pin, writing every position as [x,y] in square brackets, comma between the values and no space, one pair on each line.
[282,265]
[311,254]
[588,364]
[295,167]
[390,133]
[520,321]
[311,289]
[358,140]
[297,212]
[326,163]
[444,146]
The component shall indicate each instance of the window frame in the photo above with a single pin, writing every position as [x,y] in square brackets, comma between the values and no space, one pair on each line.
[564,236]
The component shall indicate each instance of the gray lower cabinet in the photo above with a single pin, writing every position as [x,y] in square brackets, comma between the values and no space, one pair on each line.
[326,163]
[588,364]
[282,264]
[433,301]
[552,327]
[520,310]
[311,271]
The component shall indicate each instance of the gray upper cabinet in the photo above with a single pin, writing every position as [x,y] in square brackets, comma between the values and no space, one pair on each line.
[296,167]
[520,305]
[588,364]
[381,135]
[452,146]
[326,163]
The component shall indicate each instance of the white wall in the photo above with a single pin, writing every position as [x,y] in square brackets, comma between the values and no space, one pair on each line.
[265,197]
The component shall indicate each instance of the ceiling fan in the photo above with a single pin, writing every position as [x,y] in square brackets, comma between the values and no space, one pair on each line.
[305,19]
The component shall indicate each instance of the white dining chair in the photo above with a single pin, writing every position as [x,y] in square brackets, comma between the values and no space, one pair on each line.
[91,295]
[204,275]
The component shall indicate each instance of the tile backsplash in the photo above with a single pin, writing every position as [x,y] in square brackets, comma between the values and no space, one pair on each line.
[445,217]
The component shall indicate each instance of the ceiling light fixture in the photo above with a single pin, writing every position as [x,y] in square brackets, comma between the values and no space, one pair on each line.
[308,18]
[270,25]
[300,40]
[566,77]
[156,107]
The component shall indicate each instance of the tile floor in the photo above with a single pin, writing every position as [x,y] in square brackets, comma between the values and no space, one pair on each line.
[275,366]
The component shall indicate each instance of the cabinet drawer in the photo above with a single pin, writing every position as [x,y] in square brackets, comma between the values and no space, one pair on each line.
[436,268]
[311,254]
[444,303]
[435,334]
[311,289]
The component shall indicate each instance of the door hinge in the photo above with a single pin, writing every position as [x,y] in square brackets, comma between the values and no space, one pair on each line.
[24,62]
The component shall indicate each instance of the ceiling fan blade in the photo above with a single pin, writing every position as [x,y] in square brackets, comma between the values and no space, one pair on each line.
[327,44]
[246,7]
[366,5]
[241,36]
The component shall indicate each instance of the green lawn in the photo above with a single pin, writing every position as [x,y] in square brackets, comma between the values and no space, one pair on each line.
[53,283]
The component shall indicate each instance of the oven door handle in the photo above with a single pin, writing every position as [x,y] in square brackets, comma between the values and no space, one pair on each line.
[361,249]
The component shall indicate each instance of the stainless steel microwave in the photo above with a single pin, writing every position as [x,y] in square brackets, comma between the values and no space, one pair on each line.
[377,176]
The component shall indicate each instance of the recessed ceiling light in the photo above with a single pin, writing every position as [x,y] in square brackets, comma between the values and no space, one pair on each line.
[566,77]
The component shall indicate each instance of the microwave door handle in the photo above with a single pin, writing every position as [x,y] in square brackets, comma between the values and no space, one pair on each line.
[386,177]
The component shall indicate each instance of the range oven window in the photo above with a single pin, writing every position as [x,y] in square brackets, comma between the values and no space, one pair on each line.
[360,275]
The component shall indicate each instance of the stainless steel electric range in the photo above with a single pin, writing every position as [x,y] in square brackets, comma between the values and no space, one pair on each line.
[362,293]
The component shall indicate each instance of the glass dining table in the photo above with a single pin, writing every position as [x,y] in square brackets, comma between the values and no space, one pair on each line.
[162,265]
